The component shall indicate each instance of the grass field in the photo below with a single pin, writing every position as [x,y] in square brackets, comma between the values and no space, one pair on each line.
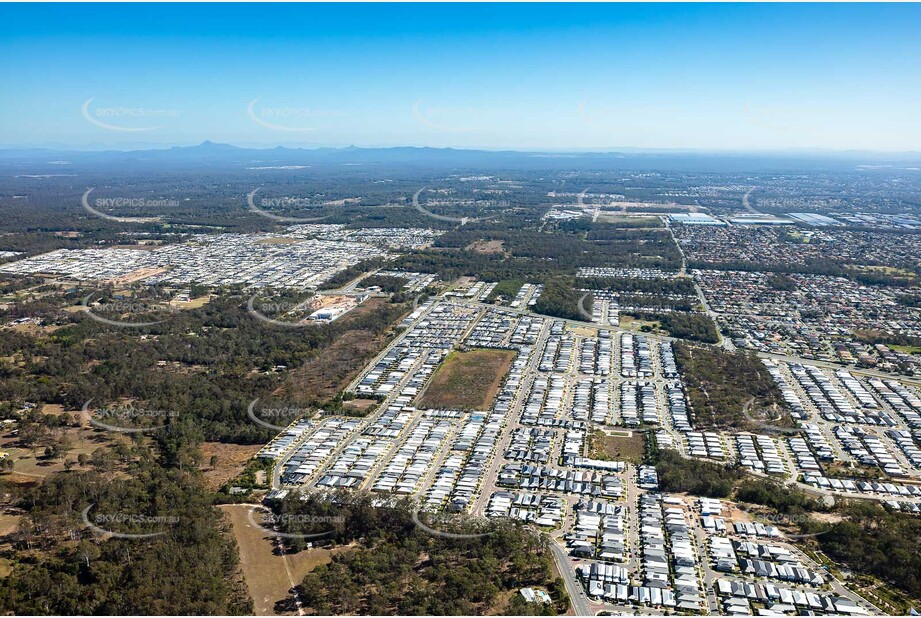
[628,446]
[630,220]
[32,464]
[487,246]
[328,373]
[278,241]
[887,270]
[628,321]
[231,459]
[467,380]
[268,575]
[195,303]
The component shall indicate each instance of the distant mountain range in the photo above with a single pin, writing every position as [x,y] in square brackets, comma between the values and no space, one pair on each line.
[210,154]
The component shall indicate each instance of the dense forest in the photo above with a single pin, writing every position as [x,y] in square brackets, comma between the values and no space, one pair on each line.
[561,300]
[679,286]
[872,539]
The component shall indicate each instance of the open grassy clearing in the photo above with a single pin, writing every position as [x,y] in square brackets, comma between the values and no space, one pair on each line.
[195,303]
[628,321]
[467,380]
[279,241]
[268,574]
[487,246]
[231,459]
[31,462]
[628,446]
[631,220]
[327,374]
[888,270]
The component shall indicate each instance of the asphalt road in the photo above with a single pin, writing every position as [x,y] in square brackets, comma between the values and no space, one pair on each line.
[580,603]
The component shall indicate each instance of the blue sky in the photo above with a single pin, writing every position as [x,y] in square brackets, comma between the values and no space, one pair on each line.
[543,76]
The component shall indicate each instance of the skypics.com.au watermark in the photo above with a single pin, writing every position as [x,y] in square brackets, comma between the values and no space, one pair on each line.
[437,217]
[123,307]
[270,417]
[445,119]
[124,202]
[278,308]
[127,418]
[103,523]
[277,524]
[281,202]
[287,118]
[441,520]
[126,119]
[781,519]
[133,202]
[767,424]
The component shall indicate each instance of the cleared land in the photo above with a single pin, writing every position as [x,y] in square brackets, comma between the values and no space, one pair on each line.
[627,446]
[487,246]
[269,575]
[630,220]
[633,323]
[325,375]
[279,241]
[467,380]
[231,459]
[30,463]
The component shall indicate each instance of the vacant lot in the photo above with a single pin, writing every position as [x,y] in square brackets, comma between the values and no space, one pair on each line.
[361,407]
[268,575]
[487,246]
[467,380]
[630,220]
[325,375]
[634,323]
[231,459]
[729,389]
[626,446]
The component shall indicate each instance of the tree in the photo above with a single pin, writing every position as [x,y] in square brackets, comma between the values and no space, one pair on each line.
[87,551]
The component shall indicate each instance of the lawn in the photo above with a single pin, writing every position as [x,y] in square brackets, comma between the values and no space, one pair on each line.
[467,380]
[907,349]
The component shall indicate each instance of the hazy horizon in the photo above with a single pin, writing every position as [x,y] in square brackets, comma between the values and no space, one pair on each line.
[721,78]
[613,150]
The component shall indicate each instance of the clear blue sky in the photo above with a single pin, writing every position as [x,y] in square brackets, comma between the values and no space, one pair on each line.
[545,76]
